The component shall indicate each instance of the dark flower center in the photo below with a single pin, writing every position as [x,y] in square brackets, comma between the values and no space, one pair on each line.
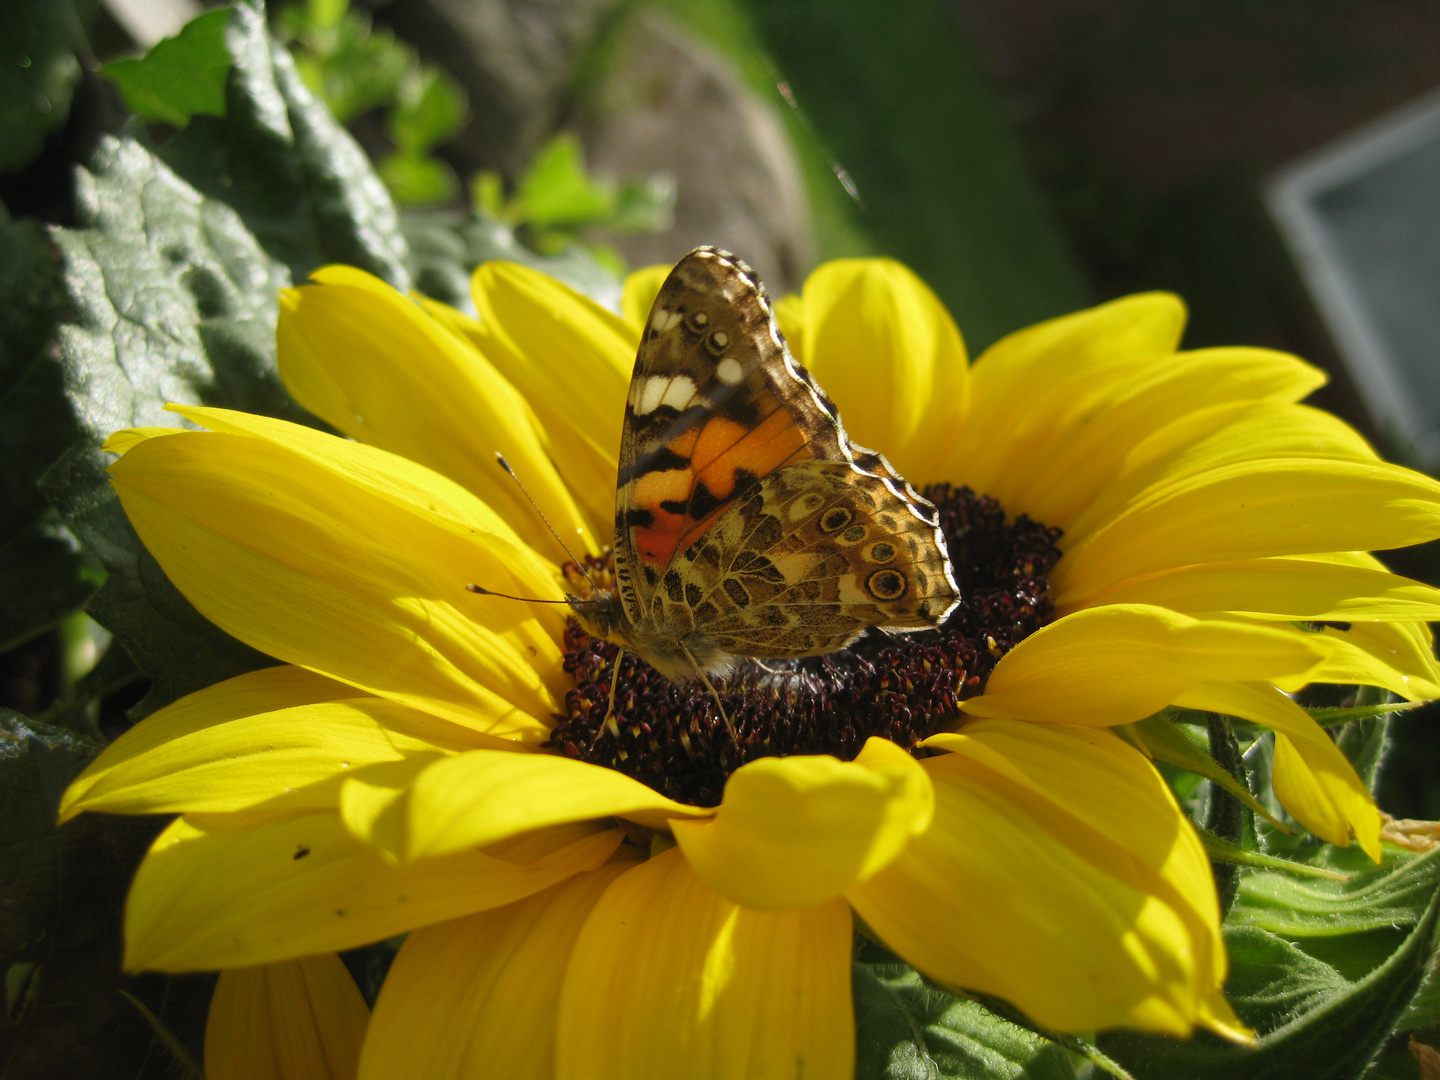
[902,687]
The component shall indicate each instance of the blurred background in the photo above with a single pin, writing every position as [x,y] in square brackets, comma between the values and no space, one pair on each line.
[1276,164]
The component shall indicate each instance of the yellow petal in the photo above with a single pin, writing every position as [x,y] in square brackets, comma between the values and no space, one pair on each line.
[1283,588]
[572,360]
[122,441]
[352,562]
[667,973]
[638,296]
[1313,780]
[871,324]
[1007,379]
[1398,656]
[1253,509]
[477,997]
[1109,420]
[234,890]
[295,1020]
[1118,664]
[483,797]
[369,361]
[289,759]
[790,314]
[796,831]
[1058,874]
[267,690]
[1223,434]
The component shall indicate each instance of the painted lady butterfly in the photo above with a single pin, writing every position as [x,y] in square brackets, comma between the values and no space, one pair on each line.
[746,523]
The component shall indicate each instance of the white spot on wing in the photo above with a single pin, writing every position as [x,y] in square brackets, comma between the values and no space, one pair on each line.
[680,393]
[649,394]
[729,371]
[664,319]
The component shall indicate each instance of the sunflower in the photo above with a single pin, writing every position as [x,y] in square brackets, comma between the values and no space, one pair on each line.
[1133,527]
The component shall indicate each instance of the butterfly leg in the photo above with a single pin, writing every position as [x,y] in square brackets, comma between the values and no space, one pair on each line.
[609,724]
[713,693]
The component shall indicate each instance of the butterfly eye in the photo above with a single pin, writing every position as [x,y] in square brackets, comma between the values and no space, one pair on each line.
[836,518]
[886,584]
[697,322]
[855,534]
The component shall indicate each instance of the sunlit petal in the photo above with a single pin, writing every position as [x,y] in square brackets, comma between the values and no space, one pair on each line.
[732,993]
[1120,663]
[795,831]
[477,997]
[372,363]
[1066,846]
[310,887]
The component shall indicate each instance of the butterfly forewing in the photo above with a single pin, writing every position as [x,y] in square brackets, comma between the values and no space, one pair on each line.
[726,439]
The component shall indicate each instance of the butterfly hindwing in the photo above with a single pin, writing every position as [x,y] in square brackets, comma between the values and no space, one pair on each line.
[805,561]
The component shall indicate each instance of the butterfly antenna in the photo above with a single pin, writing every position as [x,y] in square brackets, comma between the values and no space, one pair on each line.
[579,564]
[481,590]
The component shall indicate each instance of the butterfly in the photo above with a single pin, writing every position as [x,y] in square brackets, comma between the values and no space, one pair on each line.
[747,524]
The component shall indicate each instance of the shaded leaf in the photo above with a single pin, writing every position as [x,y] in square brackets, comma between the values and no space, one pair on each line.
[62,891]
[1165,741]
[182,76]
[1396,894]
[38,72]
[446,246]
[170,299]
[297,179]
[42,577]
[909,1030]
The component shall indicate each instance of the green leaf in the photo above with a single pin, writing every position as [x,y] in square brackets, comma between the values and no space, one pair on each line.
[430,107]
[297,179]
[908,1030]
[1330,1029]
[418,181]
[1395,894]
[1327,717]
[557,192]
[169,299]
[38,72]
[182,76]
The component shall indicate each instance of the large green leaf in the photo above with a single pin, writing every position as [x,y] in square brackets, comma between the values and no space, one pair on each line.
[62,891]
[1329,1028]
[909,1030]
[169,299]
[901,103]
[38,71]
[296,178]
[1395,894]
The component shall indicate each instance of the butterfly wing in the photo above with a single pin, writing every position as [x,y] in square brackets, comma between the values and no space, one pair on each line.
[808,559]
[717,406]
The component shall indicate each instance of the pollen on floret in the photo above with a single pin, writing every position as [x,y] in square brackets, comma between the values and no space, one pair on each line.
[902,687]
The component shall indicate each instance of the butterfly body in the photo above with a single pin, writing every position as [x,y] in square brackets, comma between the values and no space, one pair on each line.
[747,524]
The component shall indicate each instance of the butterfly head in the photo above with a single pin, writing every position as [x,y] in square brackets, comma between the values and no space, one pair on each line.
[600,613]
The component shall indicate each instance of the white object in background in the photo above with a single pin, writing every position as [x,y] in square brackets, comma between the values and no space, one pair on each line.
[1362,219]
[147,21]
